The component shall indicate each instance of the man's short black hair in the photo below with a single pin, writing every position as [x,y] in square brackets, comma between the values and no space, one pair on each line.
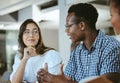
[85,11]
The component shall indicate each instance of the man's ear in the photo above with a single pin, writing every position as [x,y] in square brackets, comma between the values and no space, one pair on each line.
[82,25]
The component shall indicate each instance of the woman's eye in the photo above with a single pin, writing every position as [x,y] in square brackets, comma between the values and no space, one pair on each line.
[35,31]
[26,32]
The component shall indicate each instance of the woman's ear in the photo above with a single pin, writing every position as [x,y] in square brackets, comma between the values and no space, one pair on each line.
[82,25]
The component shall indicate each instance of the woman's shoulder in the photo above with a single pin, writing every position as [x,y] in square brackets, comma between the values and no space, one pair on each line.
[52,52]
[18,55]
[52,57]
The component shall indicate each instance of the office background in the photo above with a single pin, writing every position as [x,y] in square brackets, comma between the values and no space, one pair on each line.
[50,15]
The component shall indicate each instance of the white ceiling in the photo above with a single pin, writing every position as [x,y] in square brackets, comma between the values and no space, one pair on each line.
[9,6]
[4,3]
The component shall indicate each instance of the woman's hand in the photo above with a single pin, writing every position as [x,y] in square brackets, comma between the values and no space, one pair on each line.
[29,52]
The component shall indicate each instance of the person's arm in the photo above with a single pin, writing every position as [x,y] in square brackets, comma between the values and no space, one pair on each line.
[44,76]
[98,79]
[19,74]
[111,66]
[62,79]
[114,77]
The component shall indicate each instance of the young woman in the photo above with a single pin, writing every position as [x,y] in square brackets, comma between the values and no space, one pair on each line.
[32,54]
[115,16]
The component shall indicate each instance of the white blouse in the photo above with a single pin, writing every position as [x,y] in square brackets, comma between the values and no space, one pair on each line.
[37,62]
[117,37]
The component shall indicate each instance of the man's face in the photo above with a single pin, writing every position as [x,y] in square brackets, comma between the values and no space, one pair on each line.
[73,29]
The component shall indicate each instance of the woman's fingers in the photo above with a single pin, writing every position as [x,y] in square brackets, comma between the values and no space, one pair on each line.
[30,51]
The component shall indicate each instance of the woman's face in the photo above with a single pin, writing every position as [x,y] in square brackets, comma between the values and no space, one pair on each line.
[31,35]
[115,18]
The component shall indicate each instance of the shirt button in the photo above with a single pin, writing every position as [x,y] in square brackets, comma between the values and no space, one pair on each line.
[88,55]
[87,67]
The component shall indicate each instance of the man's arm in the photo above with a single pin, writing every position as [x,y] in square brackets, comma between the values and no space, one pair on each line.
[99,79]
[114,77]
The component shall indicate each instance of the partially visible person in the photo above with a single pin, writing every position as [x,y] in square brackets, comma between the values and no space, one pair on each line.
[115,16]
[97,54]
[32,54]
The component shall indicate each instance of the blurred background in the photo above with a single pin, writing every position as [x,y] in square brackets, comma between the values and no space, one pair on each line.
[50,15]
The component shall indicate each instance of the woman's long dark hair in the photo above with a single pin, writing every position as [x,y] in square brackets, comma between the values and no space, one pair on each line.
[40,47]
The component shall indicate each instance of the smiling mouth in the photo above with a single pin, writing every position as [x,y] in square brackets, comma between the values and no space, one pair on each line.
[31,40]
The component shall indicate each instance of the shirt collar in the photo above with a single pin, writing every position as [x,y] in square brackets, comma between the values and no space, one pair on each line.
[98,40]
[96,43]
